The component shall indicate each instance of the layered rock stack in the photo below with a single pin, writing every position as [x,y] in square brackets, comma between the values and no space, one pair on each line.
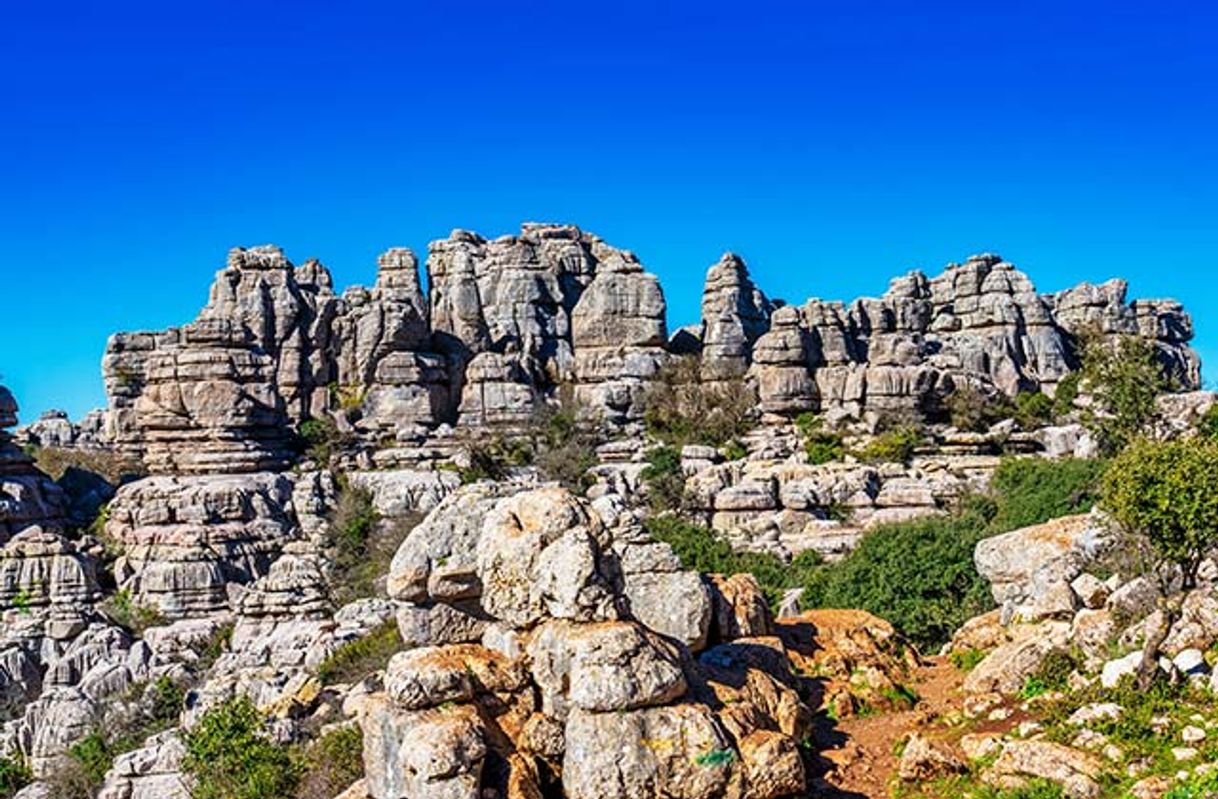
[734,315]
[27,496]
[520,315]
[508,323]
[555,644]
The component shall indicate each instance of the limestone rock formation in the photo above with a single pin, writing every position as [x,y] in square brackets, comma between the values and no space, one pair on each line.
[508,323]
[186,539]
[564,678]
[734,315]
[27,496]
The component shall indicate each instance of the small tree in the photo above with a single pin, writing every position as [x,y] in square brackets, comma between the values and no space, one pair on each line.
[1168,491]
[1123,379]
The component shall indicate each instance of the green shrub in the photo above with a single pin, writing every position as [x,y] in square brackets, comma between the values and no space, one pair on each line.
[359,658]
[1168,491]
[14,775]
[1207,426]
[93,757]
[1065,395]
[1033,409]
[701,550]
[820,445]
[892,446]
[1123,380]
[1033,490]
[160,703]
[321,439]
[1053,674]
[734,451]
[664,479]
[918,575]
[966,659]
[333,762]
[228,756]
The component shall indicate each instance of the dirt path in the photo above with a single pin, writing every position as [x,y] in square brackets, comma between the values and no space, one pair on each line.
[863,758]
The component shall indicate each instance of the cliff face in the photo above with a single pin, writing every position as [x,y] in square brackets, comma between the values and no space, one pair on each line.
[508,321]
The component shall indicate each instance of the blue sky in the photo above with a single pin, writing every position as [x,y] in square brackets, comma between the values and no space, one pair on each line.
[834,145]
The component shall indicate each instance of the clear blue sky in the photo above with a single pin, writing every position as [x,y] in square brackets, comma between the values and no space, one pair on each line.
[834,145]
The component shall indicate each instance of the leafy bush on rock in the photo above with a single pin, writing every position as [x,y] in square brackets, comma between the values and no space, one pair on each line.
[229,756]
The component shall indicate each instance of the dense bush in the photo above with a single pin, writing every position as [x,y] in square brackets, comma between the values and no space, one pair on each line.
[1033,490]
[359,658]
[1168,491]
[228,756]
[680,408]
[1032,409]
[1207,427]
[664,479]
[918,575]
[896,445]
[321,439]
[1065,395]
[13,776]
[820,445]
[1122,381]
[700,549]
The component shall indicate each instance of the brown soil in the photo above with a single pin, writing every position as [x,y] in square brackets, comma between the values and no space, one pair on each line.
[860,758]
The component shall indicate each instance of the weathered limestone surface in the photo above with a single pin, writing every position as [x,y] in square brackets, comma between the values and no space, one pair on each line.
[508,322]
[581,666]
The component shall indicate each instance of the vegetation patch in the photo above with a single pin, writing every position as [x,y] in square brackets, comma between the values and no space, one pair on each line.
[14,775]
[359,658]
[700,549]
[1034,490]
[134,617]
[147,709]
[229,756]
[820,445]
[332,763]
[891,446]
[664,479]
[680,408]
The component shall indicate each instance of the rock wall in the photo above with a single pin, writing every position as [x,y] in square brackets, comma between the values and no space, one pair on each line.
[508,322]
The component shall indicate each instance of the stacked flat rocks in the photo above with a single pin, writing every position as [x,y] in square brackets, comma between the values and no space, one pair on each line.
[507,322]
[556,646]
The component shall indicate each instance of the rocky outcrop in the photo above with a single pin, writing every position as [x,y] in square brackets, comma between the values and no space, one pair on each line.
[509,322]
[27,496]
[552,305]
[734,315]
[573,668]
[55,430]
[185,540]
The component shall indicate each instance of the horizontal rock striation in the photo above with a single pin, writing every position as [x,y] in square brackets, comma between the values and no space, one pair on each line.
[507,323]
